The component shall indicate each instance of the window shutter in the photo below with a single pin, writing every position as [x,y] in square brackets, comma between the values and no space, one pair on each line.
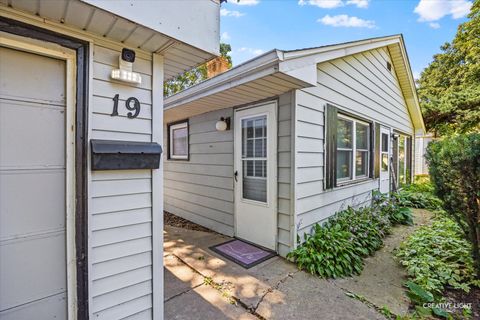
[409,159]
[376,151]
[330,146]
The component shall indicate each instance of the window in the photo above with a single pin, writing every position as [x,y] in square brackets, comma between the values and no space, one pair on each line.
[384,152]
[353,149]
[254,158]
[178,140]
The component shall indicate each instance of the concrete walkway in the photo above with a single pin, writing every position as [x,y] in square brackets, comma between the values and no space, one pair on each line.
[200,284]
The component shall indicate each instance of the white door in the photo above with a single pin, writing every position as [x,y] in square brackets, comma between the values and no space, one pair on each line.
[256,174]
[384,159]
[33,251]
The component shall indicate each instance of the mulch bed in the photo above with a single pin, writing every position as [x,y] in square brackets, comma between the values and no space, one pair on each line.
[174,221]
[460,296]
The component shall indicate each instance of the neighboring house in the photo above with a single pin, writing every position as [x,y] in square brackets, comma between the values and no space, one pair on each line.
[421,144]
[279,143]
[78,241]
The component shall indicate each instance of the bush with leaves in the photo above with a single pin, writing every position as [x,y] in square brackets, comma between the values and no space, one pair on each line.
[337,248]
[436,256]
[454,165]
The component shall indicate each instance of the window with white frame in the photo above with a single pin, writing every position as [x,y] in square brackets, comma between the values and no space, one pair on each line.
[178,140]
[353,149]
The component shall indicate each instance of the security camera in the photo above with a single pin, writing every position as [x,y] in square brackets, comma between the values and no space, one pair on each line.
[128,55]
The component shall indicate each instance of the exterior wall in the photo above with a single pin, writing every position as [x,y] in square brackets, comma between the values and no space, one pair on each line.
[201,189]
[120,202]
[362,85]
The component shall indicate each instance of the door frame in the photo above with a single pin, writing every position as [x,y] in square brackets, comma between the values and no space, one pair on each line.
[271,185]
[76,54]
[388,130]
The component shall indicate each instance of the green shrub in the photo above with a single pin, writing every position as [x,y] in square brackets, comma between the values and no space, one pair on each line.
[391,207]
[329,252]
[437,255]
[337,248]
[416,199]
[454,166]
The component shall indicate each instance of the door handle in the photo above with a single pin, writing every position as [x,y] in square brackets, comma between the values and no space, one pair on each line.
[235,175]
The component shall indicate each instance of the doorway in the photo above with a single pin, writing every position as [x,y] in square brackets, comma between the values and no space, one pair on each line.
[255,158]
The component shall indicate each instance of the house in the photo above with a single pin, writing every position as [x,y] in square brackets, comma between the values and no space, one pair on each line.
[81,182]
[421,144]
[279,143]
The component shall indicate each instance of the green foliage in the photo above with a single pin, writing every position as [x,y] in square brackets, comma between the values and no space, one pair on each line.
[329,252]
[416,199]
[436,256]
[449,88]
[393,208]
[196,75]
[337,248]
[454,165]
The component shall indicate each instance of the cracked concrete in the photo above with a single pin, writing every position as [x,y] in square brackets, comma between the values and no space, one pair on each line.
[274,289]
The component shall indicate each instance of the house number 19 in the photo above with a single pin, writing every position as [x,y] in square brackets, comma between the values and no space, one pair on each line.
[131,104]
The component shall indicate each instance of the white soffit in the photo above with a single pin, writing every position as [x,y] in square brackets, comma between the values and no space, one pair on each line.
[82,16]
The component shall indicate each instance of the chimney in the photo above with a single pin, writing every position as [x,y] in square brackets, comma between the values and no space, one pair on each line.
[217,66]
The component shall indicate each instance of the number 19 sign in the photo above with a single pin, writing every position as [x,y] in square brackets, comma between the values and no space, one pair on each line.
[131,104]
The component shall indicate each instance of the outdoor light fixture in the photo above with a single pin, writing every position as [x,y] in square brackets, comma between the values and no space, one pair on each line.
[223,124]
[395,136]
[125,73]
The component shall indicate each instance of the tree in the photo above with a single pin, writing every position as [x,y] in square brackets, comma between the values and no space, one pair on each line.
[449,88]
[454,166]
[194,76]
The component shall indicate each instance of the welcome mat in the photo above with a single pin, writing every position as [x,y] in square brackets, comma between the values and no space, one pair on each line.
[243,253]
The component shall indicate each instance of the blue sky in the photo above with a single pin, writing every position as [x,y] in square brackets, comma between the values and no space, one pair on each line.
[256,26]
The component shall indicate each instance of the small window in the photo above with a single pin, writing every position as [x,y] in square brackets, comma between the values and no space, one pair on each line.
[178,140]
[353,149]
[384,152]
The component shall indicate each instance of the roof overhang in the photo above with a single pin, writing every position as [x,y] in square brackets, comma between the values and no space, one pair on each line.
[186,34]
[257,79]
[276,72]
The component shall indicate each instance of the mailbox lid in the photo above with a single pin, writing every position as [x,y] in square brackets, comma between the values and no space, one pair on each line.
[124,147]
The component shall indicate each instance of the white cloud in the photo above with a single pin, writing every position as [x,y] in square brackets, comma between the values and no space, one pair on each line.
[359,3]
[325,4]
[252,51]
[344,20]
[433,10]
[231,13]
[225,36]
[330,4]
[245,2]
[434,25]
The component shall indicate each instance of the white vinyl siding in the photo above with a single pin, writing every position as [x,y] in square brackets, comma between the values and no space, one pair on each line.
[361,85]
[120,206]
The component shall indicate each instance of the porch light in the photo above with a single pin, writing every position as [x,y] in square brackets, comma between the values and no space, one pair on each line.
[223,124]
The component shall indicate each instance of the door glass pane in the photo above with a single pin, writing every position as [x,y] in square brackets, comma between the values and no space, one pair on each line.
[344,134]
[384,142]
[344,164]
[254,158]
[361,163]
[384,161]
[362,136]
[401,159]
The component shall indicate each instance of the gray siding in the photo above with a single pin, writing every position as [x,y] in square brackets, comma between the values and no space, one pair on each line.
[120,208]
[201,189]
[360,84]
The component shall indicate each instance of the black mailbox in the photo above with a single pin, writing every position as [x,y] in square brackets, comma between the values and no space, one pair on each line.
[122,155]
